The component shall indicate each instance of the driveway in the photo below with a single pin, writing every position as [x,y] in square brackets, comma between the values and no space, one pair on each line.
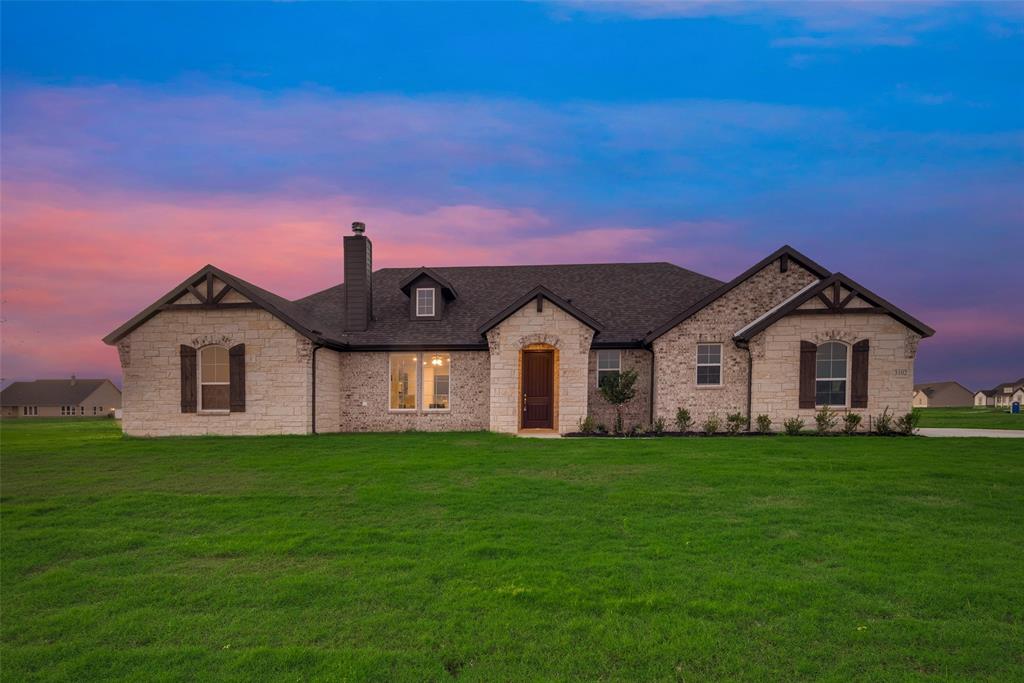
[955,431]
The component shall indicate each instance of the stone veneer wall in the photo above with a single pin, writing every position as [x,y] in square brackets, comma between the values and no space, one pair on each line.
[363,381]
[328,391]
[675,352]
[526,327]
[637,411]
[277,374]
[776,376]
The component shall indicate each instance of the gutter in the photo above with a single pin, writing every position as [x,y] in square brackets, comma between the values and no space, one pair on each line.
[650,390]
[316,347]
[750,381]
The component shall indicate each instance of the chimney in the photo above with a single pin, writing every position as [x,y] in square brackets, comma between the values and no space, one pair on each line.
[358,285]
[73,380]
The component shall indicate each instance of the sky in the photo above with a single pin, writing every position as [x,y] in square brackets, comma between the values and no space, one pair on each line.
[139,142]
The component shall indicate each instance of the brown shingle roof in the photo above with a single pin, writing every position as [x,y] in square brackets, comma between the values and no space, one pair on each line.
[49,392]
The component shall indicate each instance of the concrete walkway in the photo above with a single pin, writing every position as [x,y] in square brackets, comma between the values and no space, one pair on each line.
[954,431]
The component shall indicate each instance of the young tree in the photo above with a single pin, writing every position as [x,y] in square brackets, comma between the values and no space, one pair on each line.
[619,389]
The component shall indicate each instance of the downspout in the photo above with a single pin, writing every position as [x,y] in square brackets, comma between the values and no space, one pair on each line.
[750,382]
[650,389]
[316,347]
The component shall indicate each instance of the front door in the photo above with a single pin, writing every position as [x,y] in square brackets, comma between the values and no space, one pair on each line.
[538,389]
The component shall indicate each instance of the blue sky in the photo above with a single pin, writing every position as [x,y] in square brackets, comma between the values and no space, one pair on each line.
[143,140]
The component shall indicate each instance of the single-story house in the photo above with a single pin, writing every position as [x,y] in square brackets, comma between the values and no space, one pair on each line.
[60,398]
[942,395]
[511,348]
[1001,396]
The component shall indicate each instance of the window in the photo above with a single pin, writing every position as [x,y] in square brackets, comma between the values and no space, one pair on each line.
[30,410]
[411,373]
[830,375]
[709,364]
[425,302]
[67,410]
[403,381]
[436,377]
[214,378]
[609,364]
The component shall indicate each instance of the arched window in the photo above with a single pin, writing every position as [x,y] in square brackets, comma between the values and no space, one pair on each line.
[214,378]
[831,374]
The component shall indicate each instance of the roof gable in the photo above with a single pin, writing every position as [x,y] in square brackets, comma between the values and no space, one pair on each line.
[828,291]
[407,282]
[536,294]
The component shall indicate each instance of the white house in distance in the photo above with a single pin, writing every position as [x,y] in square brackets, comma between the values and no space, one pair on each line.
[61,398]
[942,395]
[1002,396]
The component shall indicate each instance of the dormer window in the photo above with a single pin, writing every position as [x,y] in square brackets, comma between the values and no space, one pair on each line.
[425,302]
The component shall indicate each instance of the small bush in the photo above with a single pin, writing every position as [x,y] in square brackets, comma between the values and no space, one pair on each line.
[793,426]
[734,422]
[906,424]
[883,425]
[826,419]
[635,430]
[683,420]
[850,422]
[658,427]
[764,424]
[711,424]
[601,428]
[618,423]
[585,425]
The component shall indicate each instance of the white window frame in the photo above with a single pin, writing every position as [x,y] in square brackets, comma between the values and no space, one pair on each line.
[200,382]
[618,364]
[698,364]
[419,394]
[846,379]
[433,306]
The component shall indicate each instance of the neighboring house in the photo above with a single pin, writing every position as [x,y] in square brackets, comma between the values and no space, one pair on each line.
[1002,396]
[942,395]
[61,398]
[508,348]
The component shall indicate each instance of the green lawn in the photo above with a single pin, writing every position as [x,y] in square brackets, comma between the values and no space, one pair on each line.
[974,418]
[482,557]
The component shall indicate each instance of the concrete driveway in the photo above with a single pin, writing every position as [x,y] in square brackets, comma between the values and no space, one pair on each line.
[954,431]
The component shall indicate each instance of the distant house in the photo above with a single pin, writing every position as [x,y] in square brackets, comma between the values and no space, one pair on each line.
[1002,396]
[942,395]
[60,398]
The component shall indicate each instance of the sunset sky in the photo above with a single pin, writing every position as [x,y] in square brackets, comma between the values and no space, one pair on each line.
[140,142]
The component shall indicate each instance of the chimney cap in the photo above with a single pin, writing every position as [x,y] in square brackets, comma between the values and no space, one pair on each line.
[358,227]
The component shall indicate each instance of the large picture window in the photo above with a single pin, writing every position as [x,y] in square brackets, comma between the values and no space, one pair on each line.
[830,374]
[609,364]
[214,379]
[420,381]
[709,364]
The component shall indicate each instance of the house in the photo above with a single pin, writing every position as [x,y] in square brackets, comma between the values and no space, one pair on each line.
[1002,396]
[942,395]
[510,348]
[60,398]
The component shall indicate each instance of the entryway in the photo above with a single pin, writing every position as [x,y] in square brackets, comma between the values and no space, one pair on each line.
[538,407]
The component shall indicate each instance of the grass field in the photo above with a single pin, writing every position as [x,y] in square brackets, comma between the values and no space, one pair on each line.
[973,418]
[482,557]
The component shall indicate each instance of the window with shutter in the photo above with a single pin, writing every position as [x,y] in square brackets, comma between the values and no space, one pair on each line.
[188,379]
[237,378]
[808,353]
[859,375]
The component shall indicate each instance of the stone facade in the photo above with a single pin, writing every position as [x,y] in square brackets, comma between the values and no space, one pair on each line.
[550,328]
[776,377]
[637,411]
[675,352]
[328,391]
[277,368]
[364,394]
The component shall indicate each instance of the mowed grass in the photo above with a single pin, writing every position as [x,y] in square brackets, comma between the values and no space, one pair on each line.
[970,418]
[483,557]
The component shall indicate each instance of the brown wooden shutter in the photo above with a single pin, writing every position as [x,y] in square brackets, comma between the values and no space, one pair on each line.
[808,362]
[188,379]
[236,359]
[859,375]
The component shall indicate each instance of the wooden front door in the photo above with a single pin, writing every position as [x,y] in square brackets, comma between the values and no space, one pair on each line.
[538,389]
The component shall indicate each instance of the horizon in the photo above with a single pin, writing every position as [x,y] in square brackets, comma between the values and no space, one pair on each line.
[884,141]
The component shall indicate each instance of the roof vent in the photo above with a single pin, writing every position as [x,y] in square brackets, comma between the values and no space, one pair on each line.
[359,227]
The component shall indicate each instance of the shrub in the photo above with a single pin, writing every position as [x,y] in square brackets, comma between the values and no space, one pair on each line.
[619,389]
[585,425]
[850,422]
[764,424]
[793,426]
[906,424]
[683,420]
[883,425]
[826,419]
[734,422]
[635,430]
[658,427]
[601,428]
[711,424]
